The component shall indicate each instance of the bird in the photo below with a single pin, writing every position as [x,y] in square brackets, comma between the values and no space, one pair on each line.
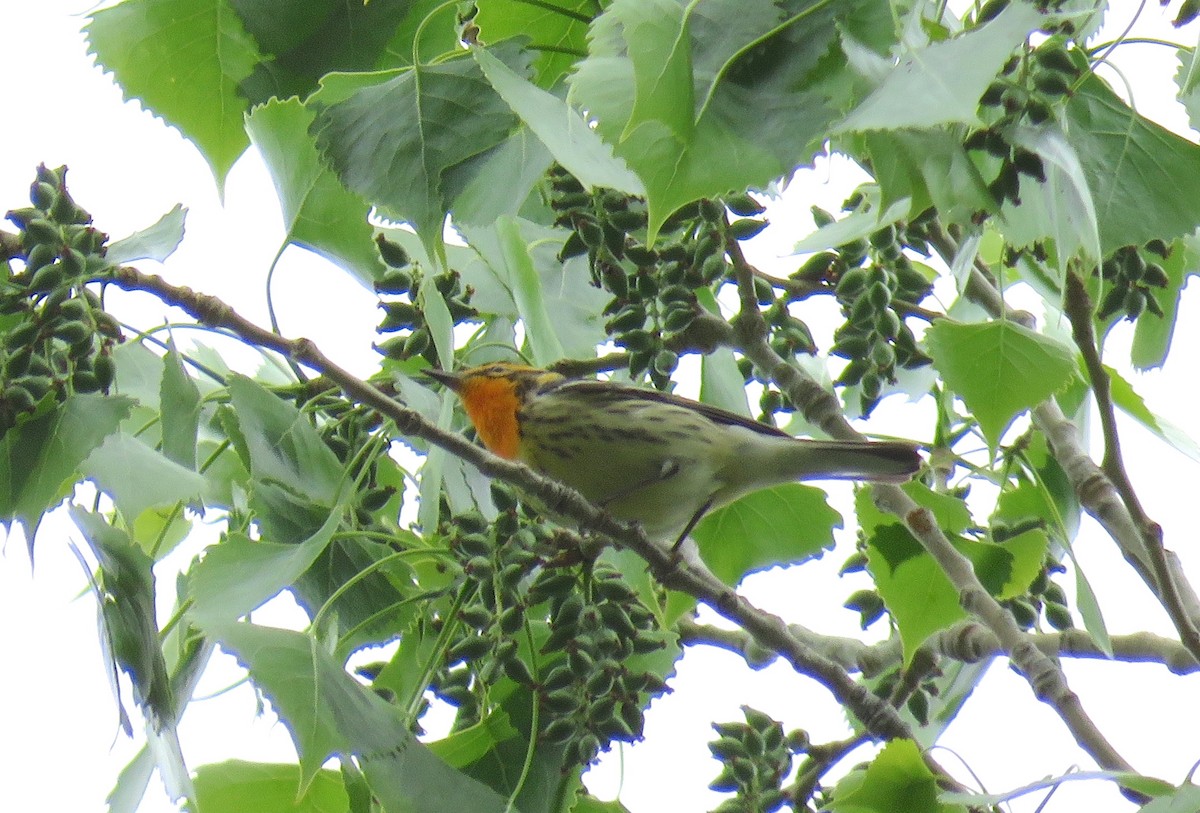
[651,457]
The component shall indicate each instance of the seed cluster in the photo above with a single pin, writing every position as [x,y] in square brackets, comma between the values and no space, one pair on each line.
[586,624]
[57,337]
[755,757]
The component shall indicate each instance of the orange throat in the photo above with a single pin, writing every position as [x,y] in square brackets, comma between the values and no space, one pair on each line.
[492,405]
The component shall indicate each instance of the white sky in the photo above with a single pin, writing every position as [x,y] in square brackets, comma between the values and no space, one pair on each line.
[61,746]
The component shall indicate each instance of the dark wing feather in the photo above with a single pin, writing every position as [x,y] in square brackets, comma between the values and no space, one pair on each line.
[608,390]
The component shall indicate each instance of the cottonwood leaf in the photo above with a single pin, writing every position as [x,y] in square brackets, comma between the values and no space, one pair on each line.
[999,369]
[942,82]
[785,524]
[318,212]
[328,712]
[184,60]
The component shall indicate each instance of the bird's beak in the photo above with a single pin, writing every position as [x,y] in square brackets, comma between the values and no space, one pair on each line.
[451,381]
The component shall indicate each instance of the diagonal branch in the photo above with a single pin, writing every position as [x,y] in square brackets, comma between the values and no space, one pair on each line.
[770,631]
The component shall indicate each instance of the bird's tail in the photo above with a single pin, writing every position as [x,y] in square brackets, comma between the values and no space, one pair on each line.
[882,461]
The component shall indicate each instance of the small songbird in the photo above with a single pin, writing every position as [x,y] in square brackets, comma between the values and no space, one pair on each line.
[648,456]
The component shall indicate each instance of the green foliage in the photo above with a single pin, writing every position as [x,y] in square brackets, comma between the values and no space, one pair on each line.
[608,166]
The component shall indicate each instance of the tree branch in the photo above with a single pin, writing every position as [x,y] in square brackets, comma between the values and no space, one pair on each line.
[1047,680]
[767,629]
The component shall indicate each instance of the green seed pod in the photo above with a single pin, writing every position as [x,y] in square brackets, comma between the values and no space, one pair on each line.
[18,363]
[1112,303]
[1058,616]
[18,399]
[75,332]
[580,663]
[417,342]
[647,286]
[1154,274]
[744,206]
[816,268]
[1038,111]
[880,295]
[479,568]
[1135,303]
[678,317]
[1023,612]
[1056,58]
[628,318]
[375,498]
[1052,83]
[713,268]
[990,11]
[397,316]
[516,671]
[469,649]
[887,324]
[636,340]
[851,284]
[21,335]
[1029,163]
[867,604]
[882,355]
[727,747]
[628,221]
[725,782]
[85,381]
[36,385]
[475,616]
[746,228]
[560,730]
[392,253]
[40,230]
[42,195]
[39,257]
[511,620]
[572,247]
[47,278]
[105,370]
[394,282]
[571,200]
[821,217]
[665,361]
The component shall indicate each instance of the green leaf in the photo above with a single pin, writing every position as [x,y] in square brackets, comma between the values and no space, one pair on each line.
[1187,79]
[786,524]
[998,368]
[1089,607]
[238,574]
[470,744]
[917,593]
[138,477]
[564,131]
[179,400]
[407,140]
[39,456]
[155,242]
[1143,177]
[328,712]
[553,298]
[318,212]
[932,168]
[1007,569]
[283,445]
[1132,404]
[501,184]
[557,32]
[854,226]
[235,785]
[896,781]
[126,577]
[184,60]
[307,39]
[942,82]
[1059,208]
[1152,334]
[670,83]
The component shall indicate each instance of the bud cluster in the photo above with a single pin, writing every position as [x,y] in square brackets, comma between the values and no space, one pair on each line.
[653,289]
[587,623]
[1131,275]
[57,336]
[755,757]
[403,313]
